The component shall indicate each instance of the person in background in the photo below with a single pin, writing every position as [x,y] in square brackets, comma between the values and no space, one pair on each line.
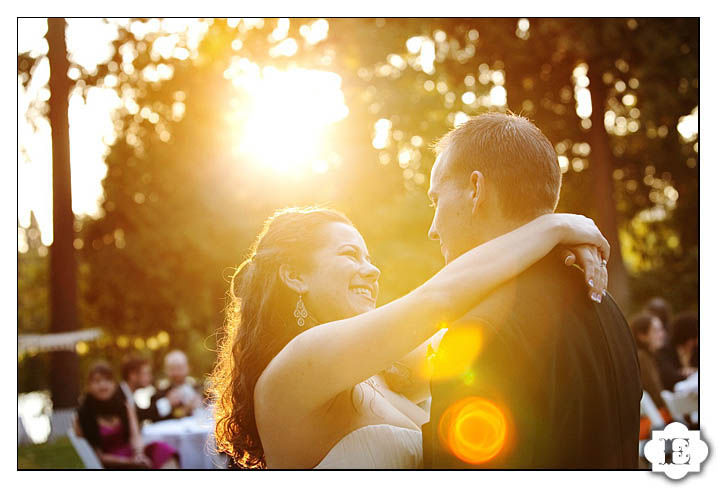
[685,340]
[666,357]
[660,307]
[108,421]
[650,337]
[179,383]
[137,374]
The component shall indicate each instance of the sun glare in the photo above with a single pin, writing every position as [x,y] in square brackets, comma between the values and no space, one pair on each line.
[288,116]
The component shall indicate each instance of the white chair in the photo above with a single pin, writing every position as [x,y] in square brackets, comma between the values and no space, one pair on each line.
[648,407]
[60,421]
[22,437]
[84,450]
[680,404]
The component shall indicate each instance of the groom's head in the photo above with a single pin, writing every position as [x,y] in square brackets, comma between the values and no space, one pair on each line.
[492,174]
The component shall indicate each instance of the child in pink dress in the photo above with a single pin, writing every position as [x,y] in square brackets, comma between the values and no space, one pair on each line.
[109,423]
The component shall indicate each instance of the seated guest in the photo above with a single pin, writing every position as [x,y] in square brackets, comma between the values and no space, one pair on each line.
[179,382]
[137,374]
[650,337]
[660,307]
[678,359]
[109,423]
[669,366]
[685,341]
[667,360]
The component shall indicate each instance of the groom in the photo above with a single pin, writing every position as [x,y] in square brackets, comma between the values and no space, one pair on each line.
[554,380]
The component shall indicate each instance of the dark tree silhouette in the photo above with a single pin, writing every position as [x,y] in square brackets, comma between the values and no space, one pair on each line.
[64,380]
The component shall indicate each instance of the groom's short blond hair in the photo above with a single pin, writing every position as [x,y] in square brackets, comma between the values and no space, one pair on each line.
[513,155]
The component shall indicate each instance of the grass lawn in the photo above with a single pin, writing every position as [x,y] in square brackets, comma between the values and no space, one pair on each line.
[58,454]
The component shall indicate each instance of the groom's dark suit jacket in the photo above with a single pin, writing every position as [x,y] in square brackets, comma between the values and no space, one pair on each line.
[562,369]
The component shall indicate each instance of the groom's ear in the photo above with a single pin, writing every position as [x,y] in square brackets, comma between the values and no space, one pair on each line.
[292,278]
[478,190]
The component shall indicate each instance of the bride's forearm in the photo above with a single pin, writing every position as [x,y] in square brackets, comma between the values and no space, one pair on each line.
[410,375]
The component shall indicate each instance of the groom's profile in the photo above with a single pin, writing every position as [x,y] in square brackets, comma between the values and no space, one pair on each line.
[555,381]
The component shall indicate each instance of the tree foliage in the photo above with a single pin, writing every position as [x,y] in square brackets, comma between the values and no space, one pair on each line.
[181,207]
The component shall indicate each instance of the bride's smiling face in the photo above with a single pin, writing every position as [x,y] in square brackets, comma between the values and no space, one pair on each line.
[342,282]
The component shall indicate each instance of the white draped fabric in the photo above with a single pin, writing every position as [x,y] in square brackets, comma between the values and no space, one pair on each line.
[55,341]
[192,437]
[381,446]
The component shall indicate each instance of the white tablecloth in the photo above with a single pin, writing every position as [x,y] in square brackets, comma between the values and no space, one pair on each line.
[192,437]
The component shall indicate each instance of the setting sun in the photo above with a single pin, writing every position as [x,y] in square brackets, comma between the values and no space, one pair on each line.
[294,106]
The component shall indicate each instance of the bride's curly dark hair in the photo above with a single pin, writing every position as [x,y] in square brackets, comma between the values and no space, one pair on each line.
[259,322]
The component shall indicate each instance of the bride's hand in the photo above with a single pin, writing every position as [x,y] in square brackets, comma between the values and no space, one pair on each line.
[594,268]
[575,229]
[590,247]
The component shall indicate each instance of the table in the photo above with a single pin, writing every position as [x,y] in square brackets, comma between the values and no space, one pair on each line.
[192,437]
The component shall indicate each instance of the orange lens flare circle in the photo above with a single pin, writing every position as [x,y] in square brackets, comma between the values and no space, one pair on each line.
[473,429]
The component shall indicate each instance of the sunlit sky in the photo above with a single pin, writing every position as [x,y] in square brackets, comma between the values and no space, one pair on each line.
[293,94]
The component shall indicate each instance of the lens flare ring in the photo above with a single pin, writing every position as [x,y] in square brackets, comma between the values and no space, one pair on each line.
[473,429]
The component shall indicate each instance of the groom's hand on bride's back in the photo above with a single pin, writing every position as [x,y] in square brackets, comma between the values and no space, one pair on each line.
[594,268]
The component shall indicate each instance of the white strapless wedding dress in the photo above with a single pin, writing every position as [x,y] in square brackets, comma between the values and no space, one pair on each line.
[380,446]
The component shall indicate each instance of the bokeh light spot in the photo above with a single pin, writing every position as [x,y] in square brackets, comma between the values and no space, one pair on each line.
[498,96]
[163,338]
[82,348]
[688,126]
[123,341]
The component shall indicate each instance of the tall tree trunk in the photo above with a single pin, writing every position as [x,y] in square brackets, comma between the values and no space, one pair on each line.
[604,203]
[64,374]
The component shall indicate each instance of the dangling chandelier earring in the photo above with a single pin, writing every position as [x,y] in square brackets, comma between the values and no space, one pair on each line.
[300,312]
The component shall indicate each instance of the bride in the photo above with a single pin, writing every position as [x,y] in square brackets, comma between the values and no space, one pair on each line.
[311,374]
